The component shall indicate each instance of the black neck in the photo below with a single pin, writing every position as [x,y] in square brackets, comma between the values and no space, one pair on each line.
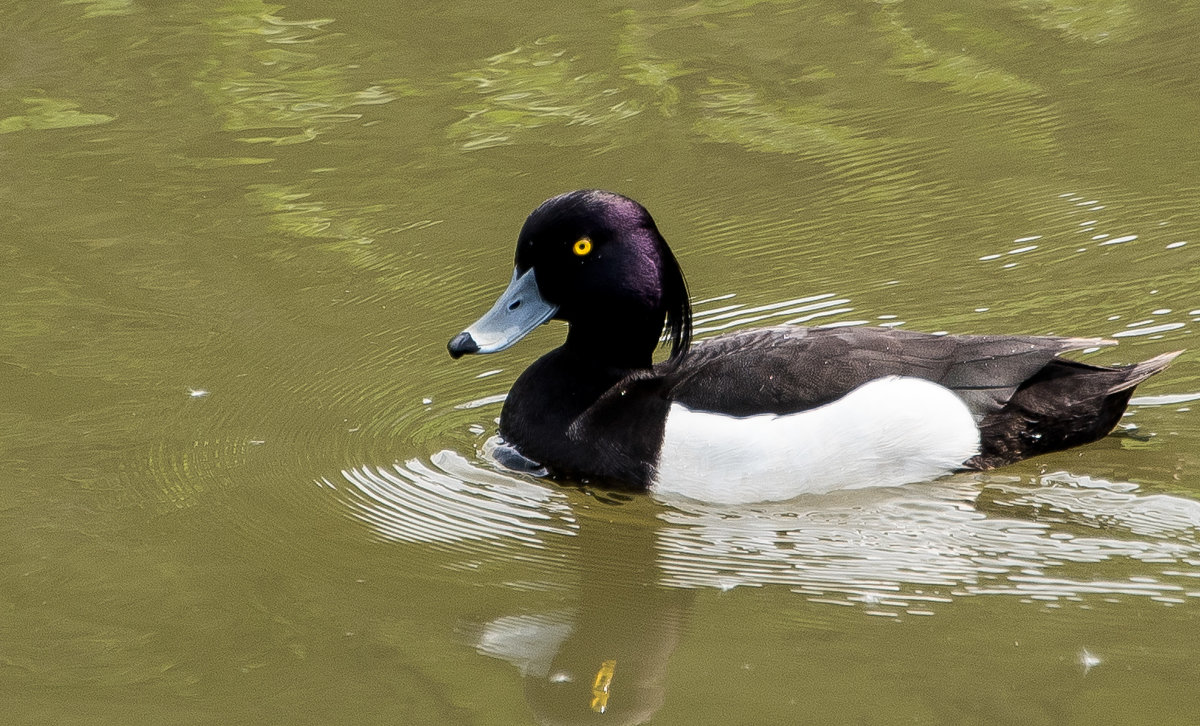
[623,345]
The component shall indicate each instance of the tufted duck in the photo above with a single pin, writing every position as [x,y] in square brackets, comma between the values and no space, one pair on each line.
[764,414]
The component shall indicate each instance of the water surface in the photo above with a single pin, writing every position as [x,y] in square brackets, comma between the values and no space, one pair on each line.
[244,483]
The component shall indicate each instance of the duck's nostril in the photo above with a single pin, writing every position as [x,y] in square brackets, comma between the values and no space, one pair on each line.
[514,305]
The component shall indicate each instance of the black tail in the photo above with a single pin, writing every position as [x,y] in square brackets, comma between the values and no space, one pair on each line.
[1065,404]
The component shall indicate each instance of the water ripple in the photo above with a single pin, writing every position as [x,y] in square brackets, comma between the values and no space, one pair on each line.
[902,549]
[449,500]
[731,316]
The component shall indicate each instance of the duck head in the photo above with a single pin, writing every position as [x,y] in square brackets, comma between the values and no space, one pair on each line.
[597,261]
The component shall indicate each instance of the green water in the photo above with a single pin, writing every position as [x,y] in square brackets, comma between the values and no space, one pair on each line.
[242,482]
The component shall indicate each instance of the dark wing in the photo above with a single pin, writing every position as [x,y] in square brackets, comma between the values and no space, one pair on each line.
[788,369]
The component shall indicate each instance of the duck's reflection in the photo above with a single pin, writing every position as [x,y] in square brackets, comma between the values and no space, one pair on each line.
[606,658]
[631,568]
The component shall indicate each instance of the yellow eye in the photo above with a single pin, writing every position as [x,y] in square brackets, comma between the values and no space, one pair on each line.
[582,246]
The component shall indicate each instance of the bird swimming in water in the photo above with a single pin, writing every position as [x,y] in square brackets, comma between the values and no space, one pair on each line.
[762,414]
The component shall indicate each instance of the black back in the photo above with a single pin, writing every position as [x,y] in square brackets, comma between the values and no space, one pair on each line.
[788,369]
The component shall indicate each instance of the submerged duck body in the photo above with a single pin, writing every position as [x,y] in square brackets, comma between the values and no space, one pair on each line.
[764,414]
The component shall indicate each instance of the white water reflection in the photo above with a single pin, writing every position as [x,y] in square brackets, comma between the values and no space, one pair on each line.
[897,550]
[738,315]
[1168,399]
[449,500]
[529,642]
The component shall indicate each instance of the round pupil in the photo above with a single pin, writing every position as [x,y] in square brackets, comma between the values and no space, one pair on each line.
[583,246]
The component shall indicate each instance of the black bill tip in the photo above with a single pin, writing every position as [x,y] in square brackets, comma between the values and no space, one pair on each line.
[461,345]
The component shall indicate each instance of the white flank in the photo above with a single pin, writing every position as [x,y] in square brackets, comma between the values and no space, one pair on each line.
[887,432]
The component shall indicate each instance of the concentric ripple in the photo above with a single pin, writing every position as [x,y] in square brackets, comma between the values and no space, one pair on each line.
[449,500]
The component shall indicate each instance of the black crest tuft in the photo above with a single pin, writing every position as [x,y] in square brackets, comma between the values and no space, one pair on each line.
[679,306]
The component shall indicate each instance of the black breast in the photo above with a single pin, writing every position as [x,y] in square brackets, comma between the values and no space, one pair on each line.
[587,422]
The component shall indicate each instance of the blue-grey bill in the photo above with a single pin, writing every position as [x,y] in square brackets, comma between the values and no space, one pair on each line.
[519,310]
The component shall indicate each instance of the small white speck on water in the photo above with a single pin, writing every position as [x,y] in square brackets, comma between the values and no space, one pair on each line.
[197,392]
[426,401]
[1088,660]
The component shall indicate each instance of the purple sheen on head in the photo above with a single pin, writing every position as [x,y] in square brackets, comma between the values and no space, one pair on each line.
[634,259]
[644,272]
[621,213]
